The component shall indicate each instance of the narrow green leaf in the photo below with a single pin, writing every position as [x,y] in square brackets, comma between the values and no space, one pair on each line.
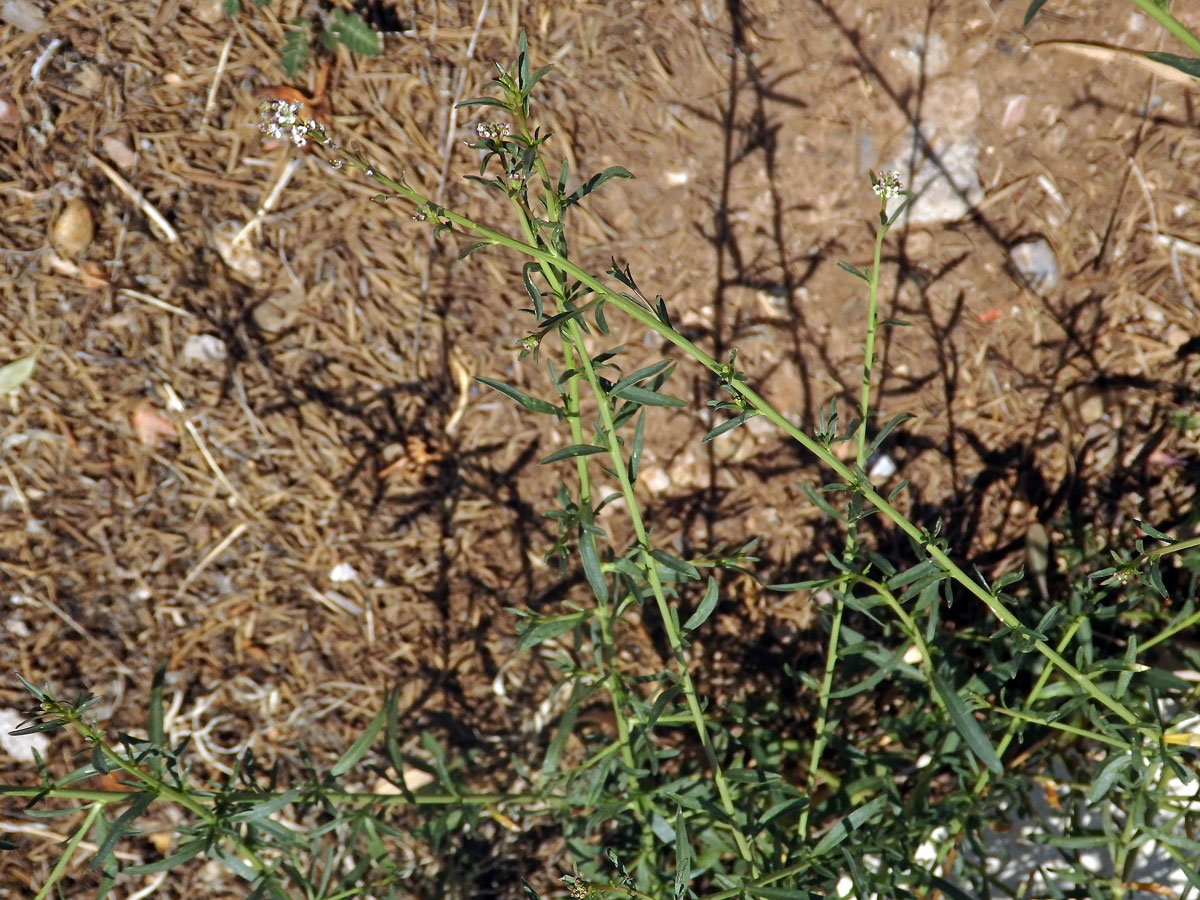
[887,429]
[846,267]
[899,210]
[533,404]
[635,449]
[546,629]
[643,374]
[782,808]
[1032,11]
[660,309]
[359,748]
[1152,531]
[434,749]
[570,453]
[563,731]
[676,565]
[154,725]
[821,503]
[536,77]
[482,101]
[646,397]
[532,289]
[683,856]
[778,893]
[729,425]
[1108,773]
[889,665]
[232,862]
[478,245]
[595,181]
[966,725]
[842,828]
[268,807]
[589,557]
[122,827]
[705,609]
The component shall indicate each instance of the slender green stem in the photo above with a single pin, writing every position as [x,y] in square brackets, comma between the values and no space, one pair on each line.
[864,406]
[64,859]
[819,739]
[574,417]
[650,567]
[1161,15]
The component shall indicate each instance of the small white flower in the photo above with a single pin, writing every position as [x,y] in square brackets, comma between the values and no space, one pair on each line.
[281,120]
[887,185]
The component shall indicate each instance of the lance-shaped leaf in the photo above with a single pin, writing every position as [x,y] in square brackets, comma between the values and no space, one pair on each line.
[533,404]
[595,181]
[966,725]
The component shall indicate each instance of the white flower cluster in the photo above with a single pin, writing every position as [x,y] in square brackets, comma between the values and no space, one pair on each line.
[887,185]
[493,130]
[281,120]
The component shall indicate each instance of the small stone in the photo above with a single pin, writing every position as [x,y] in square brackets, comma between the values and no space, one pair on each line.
[656,480]
[210,12]
[20,748]
[1035,261]
[882,467]
[23,15]
[1014,111]
[204,350]
[150,426]
[118,151]
[343,572]
[73,229]
[236,250]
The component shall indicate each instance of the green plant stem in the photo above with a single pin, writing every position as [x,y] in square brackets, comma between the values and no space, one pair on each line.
[819,741]
[349,797]
[864,406]
[69,848]
[616,691]
[1161,15]
[650,567]
[575,338]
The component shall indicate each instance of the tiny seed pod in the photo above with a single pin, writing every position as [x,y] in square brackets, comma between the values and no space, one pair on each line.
[74,229]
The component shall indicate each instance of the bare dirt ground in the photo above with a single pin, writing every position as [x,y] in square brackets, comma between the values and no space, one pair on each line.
[270,468]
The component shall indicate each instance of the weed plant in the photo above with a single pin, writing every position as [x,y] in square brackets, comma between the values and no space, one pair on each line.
[946,709]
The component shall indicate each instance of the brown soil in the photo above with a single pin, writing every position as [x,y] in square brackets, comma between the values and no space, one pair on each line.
[160,504]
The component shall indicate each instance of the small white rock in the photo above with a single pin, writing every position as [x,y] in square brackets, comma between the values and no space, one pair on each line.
[656,480]
[343,572]
[882,468]
[1036,262]
[23,15]
[20,747]
[204,349]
